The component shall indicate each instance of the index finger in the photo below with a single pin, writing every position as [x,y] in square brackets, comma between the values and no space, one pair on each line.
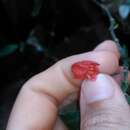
[59,79]
[36,105]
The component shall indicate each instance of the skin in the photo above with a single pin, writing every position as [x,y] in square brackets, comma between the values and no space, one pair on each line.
[37,104]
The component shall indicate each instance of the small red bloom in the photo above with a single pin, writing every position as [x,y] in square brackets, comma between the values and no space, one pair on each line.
[85,70]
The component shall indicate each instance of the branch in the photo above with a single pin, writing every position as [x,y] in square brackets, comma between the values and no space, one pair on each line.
[124,56]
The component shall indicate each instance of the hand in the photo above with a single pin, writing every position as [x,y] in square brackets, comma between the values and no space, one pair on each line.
[102,103]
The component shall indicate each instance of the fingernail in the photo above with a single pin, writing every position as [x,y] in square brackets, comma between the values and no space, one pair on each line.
[100,89]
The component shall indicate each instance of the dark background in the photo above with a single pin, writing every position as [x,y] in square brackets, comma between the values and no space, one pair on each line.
[43,32]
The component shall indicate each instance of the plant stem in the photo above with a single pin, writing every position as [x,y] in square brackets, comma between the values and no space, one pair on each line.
[124,56]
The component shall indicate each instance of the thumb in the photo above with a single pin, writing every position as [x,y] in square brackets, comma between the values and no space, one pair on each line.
[103,105]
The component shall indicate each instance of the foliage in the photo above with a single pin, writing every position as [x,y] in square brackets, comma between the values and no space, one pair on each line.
[71,116]
[7,50]
[37,4]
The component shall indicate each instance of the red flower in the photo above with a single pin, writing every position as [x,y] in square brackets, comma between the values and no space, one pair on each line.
[85,70]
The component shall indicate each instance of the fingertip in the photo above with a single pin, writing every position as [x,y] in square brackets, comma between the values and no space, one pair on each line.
[108,45]
[109,62]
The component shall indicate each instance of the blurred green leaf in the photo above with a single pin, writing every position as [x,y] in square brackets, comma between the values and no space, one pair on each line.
[116,25]
[124,86]
[128,99]
[124,52]
[7,50]
[37,4]
[116,2]
[71,116]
